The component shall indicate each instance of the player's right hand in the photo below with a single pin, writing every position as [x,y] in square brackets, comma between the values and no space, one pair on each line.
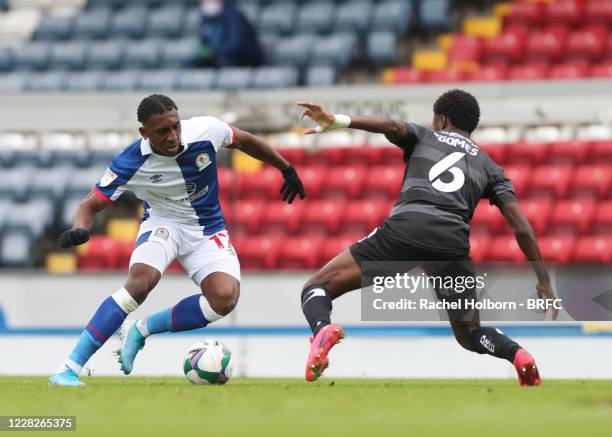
[545,291]
[73,237]
[319,115]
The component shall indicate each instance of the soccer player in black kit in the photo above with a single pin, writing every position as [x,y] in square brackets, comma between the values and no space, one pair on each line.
[447,174]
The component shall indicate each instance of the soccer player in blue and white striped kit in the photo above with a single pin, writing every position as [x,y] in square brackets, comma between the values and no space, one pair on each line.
[172,168]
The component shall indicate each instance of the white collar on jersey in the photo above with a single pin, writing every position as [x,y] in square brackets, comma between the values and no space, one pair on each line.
[145,148]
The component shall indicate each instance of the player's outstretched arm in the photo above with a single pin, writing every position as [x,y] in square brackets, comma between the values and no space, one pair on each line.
[395,131]
[259,149]
[83,220]
[525,237]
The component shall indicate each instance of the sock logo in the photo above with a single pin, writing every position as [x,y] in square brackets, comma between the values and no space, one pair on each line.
[313,293]
[487,344]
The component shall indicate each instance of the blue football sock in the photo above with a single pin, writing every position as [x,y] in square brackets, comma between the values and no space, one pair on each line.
[186,315]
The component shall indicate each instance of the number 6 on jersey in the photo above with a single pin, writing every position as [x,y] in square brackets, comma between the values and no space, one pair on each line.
[443,166]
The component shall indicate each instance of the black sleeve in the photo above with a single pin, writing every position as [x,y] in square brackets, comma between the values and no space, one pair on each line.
[499,189]
[414,134]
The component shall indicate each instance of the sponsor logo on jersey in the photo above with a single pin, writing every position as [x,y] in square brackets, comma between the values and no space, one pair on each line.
[191,195]
[156,178]
[162,233]
[108,178]
[203,161]
[190,188]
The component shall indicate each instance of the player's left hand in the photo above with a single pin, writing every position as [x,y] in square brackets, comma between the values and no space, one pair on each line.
[292,186]
[545,291]
[319,115]
[73,237]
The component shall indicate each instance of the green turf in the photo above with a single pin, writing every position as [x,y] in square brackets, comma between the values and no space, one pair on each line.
[134,406]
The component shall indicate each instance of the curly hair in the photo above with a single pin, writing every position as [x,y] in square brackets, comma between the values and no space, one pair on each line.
[460,107]
[155,104]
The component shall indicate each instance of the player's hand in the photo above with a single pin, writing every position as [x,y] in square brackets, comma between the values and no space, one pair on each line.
[319,115]
[73,237]
[292,186]
[545,291]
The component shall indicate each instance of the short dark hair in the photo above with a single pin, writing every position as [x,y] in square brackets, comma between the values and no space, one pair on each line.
[155,104]
[460,107]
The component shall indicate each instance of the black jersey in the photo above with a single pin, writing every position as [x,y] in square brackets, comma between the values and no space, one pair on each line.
[446,175]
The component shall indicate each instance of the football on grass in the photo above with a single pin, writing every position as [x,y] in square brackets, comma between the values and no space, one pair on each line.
[208,362]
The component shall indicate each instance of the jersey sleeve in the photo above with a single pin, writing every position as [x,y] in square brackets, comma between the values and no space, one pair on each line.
[112,184]
[219,133]
[499,189]
[415,134]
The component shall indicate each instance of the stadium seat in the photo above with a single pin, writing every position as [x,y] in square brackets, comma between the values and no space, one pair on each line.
[446,76]
[392,156]
[84,81]
[602,222]
[333,246]
[353,16]
[323,217]
[159,79]
[275,77]
[192,19]
[234,78]
[573,216]
[15,248]
[250,11]
[337,49]
[602,70]
[487,218]
[564,12]
[598,12]
[465,53]
[32,56]
[585,45]
[13,82]
[142,54]
[490,73]
[277,17]
[35,216]
[543,46]
[525,13]
[601,152]
[505,248]
[123,80]
[313,179]
[434,14]
[81,182]
[6,59]
[344,182]
[68,55]
[526,152]
[294,50]
[497,152]
[258,253]
[294,156]
[166,21]
[392,15]
[299,253]
[594,249]
[557,247]
[49,81]
[363,155]
[99,253]
[54,27]
[93,23]
[247,217]
[315,16]
[280,218]
[569,70]
[551,180]
[362,216]
[130,22]
[479,246]
[106,54]
[381,47]
[41,188]
[537,212]
[593,180]
[505,48]
[520,175]
[178,53]
[264,184]
[196,79]
[533,72]
[320,76]
[384,182]
[568,152]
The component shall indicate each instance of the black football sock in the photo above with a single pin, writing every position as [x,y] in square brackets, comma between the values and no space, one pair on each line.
[493,342]
[316,306]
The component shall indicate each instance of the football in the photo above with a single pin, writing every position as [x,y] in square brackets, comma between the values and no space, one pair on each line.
[208,362]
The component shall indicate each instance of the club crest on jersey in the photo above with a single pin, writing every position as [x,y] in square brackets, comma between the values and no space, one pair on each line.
[203,161]
[108,178]
[162,233]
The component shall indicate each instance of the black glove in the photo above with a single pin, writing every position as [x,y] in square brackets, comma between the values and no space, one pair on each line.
[292,186]
[73,237]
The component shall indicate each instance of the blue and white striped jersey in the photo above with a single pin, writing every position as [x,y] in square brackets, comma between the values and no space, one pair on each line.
[181,188]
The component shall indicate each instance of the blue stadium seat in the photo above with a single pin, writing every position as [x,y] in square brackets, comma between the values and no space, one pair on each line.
[129,22]
[315,16]
[49,81]
[15,247]
[52,186]
[7,156]
[123,80]
[277,17]
[70,159]
[35,216]
[145,53]
[194,80]
[81,182]
[178,52]
[84,81]
[157,80]
[106,54]
[112,4]
[353,16]
[234,78]
[33,56]
[321,76]
[268,42]
[434,14]
[54,27]
[275,77]
[93,23]
[381,47]
[6,59]
[250,10]
[13,82]
[71,204]
[166,21]
[338,49]
[68,55]
[294,50]
[393,15]
[101,158]
[191,21]
[33,158]
[13,184]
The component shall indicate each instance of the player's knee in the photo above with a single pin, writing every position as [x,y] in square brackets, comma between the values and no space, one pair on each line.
[465,343]
[139,286]
[224,299]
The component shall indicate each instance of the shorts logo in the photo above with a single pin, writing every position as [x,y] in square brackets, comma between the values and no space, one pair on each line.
[162,233]
[156,178]
[203,161]
[108,178]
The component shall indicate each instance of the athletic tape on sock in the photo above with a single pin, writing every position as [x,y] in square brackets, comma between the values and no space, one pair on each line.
[208,312]
[125,301]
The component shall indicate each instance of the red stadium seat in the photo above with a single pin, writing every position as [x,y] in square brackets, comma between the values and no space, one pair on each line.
[447,76]
[536,71]
[325,156]
[602,223]
[566,12]
[602,70]
[124,254]
[300,253]
[490,73]
[247,217]
[524,152]
[557,247]
[573,215]
[537,211]
[258,253]
[263,184]
[312,178]
[608,49]
[569,71]
[392,156]
[543,46]
[598,12]
[593,180]
[323,217]
[175,267]
[228,186]
[226,209]
[505,248]
[363,155]
[362,216]
[344,182]
[487,217]
[335,245]
[294,156]
[568,152]
[551,180]
[507,47]
[479,246]
[601,152]
[525,13]
[100,253]
[497,152]
[282,218]
[404,75]
[596,248]
[465,53]
[384,182]
[585,45]
[519,175]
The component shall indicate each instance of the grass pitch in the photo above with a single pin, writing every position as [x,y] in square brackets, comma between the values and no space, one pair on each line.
[134,406]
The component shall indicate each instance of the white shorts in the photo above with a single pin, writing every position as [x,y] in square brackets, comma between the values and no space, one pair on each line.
[160,242]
